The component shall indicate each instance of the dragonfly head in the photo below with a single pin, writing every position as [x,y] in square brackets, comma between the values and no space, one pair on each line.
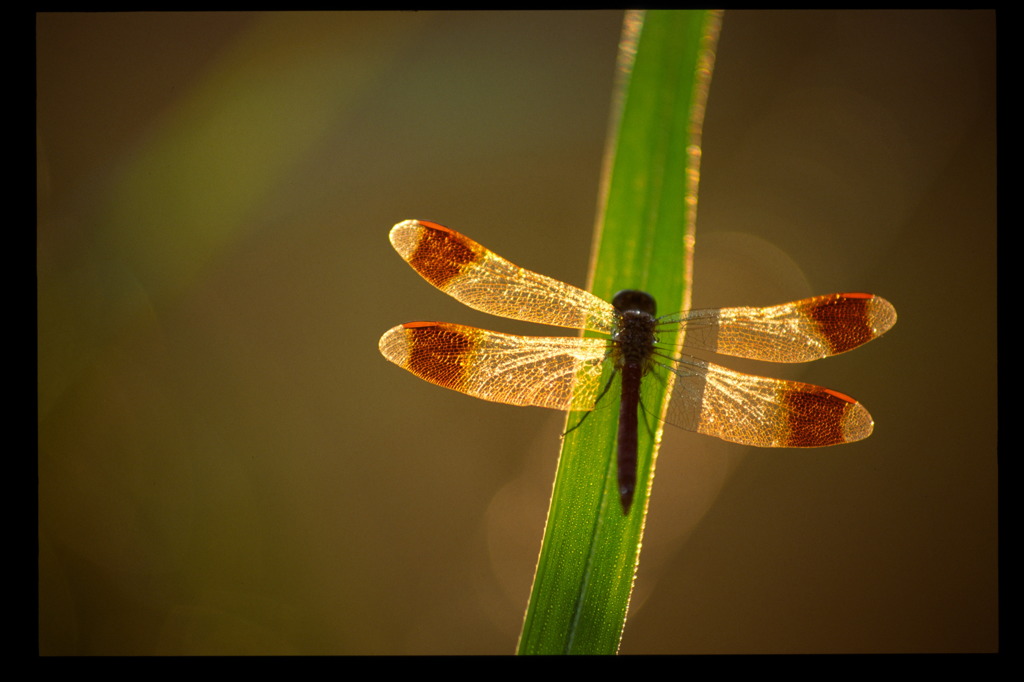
[630,299]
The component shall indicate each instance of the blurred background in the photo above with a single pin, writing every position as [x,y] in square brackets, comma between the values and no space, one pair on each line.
[226,463]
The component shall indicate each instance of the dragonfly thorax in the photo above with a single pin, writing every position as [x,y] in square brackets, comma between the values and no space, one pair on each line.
[634,336]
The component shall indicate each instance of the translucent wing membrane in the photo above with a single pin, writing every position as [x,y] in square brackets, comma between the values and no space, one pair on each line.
[480,278]
[799,331]
[761,411]
[517,370]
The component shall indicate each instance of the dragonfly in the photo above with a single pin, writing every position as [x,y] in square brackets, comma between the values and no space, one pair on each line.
[564,373]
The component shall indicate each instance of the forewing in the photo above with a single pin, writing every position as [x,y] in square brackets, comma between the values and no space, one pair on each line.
[481,279]
[798,331]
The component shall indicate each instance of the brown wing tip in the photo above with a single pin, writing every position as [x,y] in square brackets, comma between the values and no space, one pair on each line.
[855,421]
[408,231]
[820,417]
[879,314]
[440,255]
[397,342]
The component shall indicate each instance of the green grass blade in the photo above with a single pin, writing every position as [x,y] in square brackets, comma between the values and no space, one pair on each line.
[590,551]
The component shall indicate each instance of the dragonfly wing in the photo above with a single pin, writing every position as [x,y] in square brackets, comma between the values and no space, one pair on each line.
[516,370]
[755,410]
[481,279]
[798,331]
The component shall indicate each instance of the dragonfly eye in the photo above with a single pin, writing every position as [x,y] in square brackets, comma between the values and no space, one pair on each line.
[630,299]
